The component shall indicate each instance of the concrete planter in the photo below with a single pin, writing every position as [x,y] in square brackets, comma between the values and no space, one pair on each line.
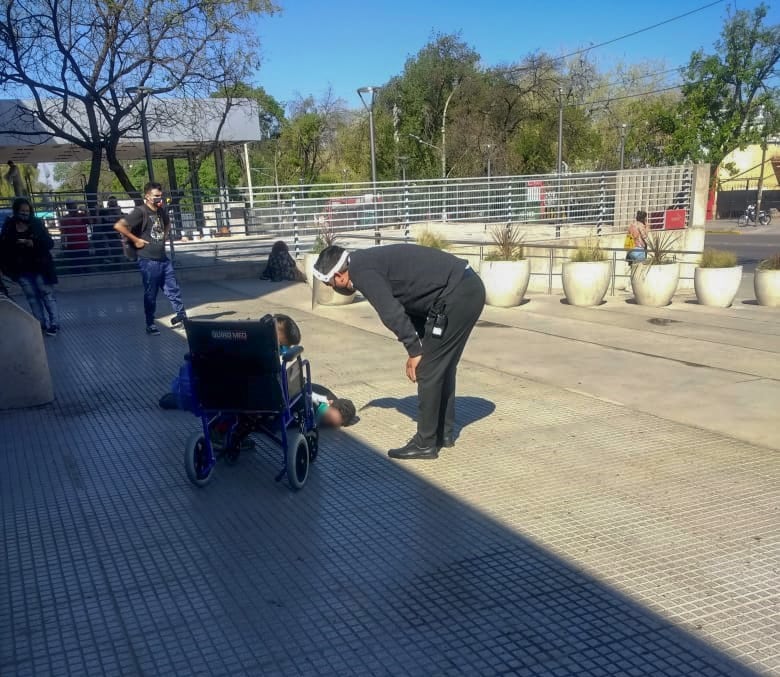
[326,296]
[654,285]
[717,286]
[585,283]
[308,265]
[505,282]
[766,284]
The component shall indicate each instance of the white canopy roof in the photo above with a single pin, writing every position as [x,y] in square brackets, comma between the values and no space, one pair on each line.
[176,127]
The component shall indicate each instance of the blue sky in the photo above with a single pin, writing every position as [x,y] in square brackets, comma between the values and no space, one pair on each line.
[312,44]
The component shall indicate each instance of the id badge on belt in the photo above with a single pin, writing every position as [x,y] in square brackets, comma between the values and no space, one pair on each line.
[439,320]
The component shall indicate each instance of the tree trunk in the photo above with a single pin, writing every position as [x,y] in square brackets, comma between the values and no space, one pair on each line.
[93,182]
[119,171]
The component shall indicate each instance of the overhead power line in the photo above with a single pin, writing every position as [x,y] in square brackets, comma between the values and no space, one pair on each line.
[641,30]
[627,35]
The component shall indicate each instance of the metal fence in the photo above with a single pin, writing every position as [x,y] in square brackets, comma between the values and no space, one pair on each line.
[241,224]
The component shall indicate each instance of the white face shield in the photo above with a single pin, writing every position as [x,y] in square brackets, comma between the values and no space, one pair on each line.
[327,277]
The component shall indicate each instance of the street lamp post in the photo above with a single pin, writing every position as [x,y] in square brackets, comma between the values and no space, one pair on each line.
[371,91]
[144,92]
[369,106]
[489,149]
[455,84]
[560,130]
[444,131]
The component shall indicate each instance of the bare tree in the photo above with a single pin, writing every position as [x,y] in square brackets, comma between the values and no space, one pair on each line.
[76,59]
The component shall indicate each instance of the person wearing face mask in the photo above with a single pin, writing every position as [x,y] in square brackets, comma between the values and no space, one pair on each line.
[431,301]
[146,228]
[25,257]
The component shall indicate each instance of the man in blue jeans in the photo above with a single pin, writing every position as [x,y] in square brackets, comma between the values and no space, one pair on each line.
[146,228]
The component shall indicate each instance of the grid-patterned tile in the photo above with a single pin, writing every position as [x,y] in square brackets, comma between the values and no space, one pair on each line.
[553,540]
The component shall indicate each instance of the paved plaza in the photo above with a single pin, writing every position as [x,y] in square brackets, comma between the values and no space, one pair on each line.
[611,506]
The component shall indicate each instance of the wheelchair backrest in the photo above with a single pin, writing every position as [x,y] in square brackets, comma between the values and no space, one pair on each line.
[235,364]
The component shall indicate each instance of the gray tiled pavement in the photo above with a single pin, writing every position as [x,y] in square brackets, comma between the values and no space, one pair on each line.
[553,540]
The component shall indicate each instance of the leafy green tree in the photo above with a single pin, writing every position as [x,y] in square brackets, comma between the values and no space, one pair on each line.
[76,61]
[727,95]
[419,96]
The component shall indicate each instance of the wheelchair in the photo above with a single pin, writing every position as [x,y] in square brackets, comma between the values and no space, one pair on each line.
[236,380]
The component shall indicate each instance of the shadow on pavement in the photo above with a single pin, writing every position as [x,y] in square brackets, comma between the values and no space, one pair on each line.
[468,409]
[114,564]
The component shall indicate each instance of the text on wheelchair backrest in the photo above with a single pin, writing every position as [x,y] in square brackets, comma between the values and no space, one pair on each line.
[229,334]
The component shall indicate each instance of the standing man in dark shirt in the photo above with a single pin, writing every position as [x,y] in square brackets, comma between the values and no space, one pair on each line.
[146,228]
[431,301]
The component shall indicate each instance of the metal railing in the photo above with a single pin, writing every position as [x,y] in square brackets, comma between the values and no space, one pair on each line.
[241,224]
[554,255]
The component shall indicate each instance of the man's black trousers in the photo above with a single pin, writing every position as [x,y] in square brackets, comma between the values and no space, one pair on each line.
[440,357]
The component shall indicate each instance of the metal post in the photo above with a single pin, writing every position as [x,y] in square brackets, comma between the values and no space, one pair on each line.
[614,272]
[550,272]
[560,163]
[489,148]
[760,195]
[509,203]
[173,188]
[602,204]
[560,129]
[295,226]
[224,198]
[197,198]
[407,220]
[147,144]
[249,176]
[370,108]
[373,148]
[444,152]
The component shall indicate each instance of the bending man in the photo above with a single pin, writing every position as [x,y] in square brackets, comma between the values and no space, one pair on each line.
[431,301]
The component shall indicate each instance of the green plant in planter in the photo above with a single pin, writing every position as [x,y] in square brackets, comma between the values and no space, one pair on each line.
[508,241]
[718,258]
[326,236]
[660,246]
[772,263]
[318,246]
[589,252]
[430,239]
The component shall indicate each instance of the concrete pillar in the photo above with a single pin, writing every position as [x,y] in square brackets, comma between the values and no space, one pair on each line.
[700,191]
[25,380]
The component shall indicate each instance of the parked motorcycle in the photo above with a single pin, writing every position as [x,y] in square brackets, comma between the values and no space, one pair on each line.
[750,217]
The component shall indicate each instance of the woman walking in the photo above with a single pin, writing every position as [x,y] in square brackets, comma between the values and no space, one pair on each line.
[25,257]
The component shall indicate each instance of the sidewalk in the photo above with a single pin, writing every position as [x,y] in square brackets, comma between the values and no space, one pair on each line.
[611,505]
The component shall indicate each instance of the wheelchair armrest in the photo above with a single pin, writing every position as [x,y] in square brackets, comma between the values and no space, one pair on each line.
[291,353]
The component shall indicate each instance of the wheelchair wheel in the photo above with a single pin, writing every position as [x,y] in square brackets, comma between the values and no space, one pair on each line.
[196,461]
[313,438]
[297,460]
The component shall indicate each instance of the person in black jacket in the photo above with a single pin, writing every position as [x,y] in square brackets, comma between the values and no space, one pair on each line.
[25,257]
[431,301]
